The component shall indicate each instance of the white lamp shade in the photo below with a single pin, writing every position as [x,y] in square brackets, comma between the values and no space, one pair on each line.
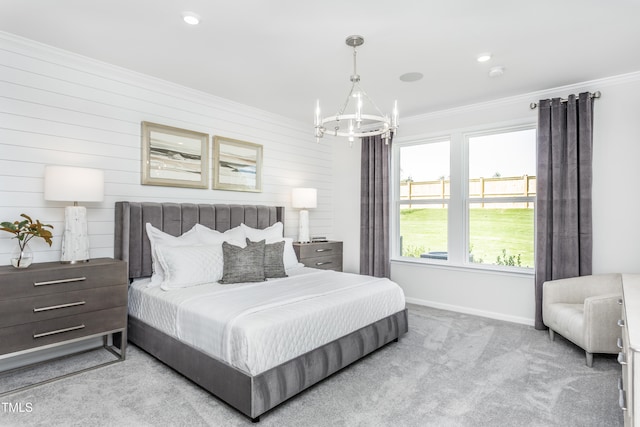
[71,184]
[304,198]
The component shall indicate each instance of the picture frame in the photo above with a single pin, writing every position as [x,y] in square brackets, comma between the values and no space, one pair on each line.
[174,157]
[237,165]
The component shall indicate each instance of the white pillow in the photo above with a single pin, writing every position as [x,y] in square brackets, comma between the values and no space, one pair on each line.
[289,255]
[158,237]
[207,236]
[271,234]
[192,265]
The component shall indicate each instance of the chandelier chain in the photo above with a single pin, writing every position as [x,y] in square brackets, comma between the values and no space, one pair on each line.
[355,77]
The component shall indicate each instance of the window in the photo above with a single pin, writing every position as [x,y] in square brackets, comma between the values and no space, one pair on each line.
[424,199]
[467,199]
[502,187]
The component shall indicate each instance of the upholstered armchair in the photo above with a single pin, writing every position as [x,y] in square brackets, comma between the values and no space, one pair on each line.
[584,310]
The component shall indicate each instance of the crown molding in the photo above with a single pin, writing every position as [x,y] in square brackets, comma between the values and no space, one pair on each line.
[527,98]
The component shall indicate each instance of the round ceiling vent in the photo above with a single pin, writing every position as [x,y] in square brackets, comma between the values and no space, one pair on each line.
[411,77]
[496,71]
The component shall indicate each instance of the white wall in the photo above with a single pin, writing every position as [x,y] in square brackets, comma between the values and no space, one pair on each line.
[615,205]
[61,108]
[346,166]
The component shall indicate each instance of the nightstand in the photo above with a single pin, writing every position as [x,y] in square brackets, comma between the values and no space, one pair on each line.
[324,255]
[49,304]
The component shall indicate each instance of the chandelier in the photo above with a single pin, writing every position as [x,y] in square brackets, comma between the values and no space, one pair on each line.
[356,122]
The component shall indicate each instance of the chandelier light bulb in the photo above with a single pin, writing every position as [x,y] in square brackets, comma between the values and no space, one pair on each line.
[318,118]
[394,120]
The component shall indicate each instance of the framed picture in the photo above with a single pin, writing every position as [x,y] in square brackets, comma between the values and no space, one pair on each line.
[174,157]
[237,165]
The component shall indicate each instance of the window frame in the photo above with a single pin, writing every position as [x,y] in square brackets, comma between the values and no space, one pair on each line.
[458,237]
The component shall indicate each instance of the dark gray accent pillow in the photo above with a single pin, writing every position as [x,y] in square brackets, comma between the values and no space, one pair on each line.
[273,260]
[243,264]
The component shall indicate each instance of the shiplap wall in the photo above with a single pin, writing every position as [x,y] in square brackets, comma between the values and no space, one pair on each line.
[60,108]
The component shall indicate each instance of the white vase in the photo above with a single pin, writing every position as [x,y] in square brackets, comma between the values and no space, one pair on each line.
[22,257]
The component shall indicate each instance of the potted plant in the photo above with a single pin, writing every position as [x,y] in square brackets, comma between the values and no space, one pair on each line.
[24,231]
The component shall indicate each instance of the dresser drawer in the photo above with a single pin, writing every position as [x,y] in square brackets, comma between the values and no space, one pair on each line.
[30,335]
[313,250]
[60,304]
[324,255]
[333,262]
[48,278]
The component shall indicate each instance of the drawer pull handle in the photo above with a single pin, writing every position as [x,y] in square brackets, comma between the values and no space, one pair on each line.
[619,343]
[621,323]
[55,307]
[56,282]
[620,384]
[324,263]
[59,331]
[620,301]
[324,250]
[622,400]
[622,359]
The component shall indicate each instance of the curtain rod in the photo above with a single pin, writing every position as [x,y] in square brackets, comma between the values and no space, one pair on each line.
[595,95]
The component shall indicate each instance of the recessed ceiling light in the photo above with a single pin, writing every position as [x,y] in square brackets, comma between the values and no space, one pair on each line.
[496,71]
[191,18]
[411,77]
[484,57]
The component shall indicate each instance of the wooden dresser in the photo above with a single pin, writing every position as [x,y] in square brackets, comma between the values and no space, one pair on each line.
[324,255]
[629,356]
[50,303]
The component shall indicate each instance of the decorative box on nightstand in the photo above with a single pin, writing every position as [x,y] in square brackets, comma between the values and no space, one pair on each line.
[49,304]
[324,255]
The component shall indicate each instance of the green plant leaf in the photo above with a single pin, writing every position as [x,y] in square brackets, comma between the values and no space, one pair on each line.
[26,229]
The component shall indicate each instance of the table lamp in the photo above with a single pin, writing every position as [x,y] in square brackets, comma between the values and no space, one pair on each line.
[303,199]
[71,184]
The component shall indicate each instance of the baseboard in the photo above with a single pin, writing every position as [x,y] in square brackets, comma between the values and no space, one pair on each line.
[473,311]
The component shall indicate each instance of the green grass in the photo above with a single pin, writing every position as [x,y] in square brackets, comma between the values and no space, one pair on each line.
[492,231]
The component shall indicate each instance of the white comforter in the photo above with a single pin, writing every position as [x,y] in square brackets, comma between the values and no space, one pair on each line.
[256,326]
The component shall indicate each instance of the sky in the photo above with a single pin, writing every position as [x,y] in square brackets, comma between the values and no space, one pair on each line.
[508,154]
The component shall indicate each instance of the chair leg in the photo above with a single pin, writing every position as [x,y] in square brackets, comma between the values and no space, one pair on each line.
[589,359]
[552,334]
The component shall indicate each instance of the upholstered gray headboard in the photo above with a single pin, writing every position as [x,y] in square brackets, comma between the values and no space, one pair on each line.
[132,244]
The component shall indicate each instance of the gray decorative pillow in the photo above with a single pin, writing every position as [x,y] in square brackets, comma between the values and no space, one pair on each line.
[273,260]
[243,264]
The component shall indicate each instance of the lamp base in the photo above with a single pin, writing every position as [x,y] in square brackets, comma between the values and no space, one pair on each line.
[75,239]
[303,227]
[74,262]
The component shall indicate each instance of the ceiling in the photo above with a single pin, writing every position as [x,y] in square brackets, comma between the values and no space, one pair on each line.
[282,55]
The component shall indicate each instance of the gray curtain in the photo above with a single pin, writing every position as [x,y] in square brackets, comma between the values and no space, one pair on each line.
[374,206]
[564,236]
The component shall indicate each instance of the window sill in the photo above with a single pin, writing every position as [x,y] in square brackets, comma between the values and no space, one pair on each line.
[482,269]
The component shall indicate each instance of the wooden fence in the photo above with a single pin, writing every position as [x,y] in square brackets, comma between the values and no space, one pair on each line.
[513,186]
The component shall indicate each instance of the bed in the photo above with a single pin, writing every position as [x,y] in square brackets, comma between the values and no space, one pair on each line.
[254,387]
